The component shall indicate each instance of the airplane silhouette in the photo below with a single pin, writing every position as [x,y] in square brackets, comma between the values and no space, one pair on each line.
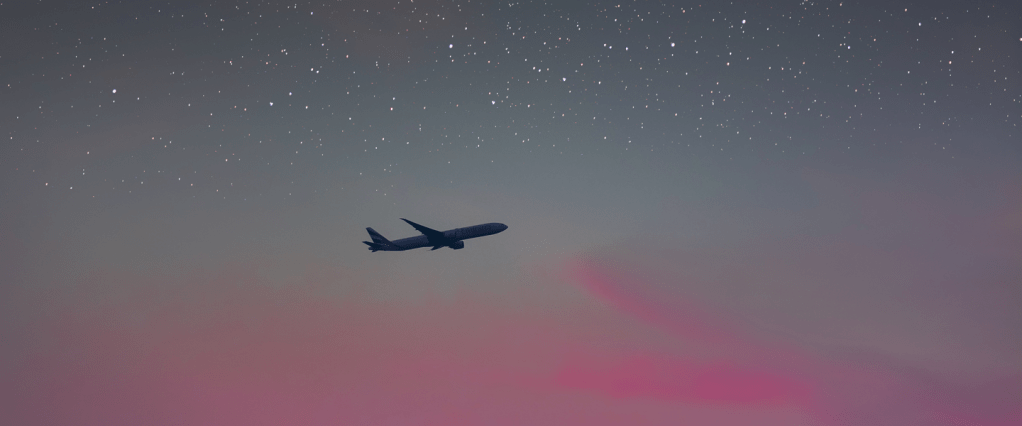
[431,237]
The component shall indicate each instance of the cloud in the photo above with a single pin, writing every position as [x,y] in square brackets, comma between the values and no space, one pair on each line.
[752,371]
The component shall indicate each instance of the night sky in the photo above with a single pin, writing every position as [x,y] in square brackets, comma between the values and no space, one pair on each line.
[726,213]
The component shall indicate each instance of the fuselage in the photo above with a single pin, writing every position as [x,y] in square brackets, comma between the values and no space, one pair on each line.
[453,235]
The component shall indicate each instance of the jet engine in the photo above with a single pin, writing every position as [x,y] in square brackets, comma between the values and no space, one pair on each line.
[457,245]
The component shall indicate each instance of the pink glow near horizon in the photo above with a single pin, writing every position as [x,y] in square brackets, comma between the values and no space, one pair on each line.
[231,350]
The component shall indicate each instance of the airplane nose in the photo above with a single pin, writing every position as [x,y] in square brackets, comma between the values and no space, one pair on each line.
[503,227]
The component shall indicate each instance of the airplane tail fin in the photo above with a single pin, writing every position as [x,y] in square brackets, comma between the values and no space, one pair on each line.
[379,241]
[377,238]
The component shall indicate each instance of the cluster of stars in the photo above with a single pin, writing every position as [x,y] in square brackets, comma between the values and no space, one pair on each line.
[459,83]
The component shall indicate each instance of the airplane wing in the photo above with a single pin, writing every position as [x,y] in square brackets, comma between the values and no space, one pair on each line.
[434,236]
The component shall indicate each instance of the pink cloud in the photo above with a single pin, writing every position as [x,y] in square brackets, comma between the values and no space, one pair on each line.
[750,371]
[685,380]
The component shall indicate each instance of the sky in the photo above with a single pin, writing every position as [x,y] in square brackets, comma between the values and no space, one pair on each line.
[720,213]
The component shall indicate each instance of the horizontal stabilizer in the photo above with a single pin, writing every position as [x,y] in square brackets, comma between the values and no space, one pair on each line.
[379,242]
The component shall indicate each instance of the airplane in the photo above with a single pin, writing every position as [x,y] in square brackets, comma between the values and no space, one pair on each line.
[431,237]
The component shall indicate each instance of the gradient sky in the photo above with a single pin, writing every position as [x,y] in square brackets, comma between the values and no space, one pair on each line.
[720,213]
